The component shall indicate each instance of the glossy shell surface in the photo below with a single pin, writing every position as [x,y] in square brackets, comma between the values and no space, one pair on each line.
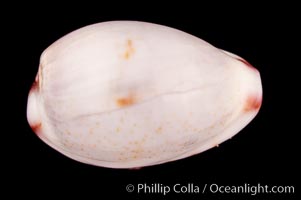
[126,94]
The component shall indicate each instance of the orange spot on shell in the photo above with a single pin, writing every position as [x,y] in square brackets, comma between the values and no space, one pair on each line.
[159,129]
[126,101]
[36,127]
[129,51]
[253,103]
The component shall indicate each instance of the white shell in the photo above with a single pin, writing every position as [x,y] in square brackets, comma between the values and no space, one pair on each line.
[126,94]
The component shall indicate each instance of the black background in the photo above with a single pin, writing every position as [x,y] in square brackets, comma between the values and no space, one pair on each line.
[264,152]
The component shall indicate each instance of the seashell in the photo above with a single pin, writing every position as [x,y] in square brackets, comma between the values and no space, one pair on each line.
[127,94]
